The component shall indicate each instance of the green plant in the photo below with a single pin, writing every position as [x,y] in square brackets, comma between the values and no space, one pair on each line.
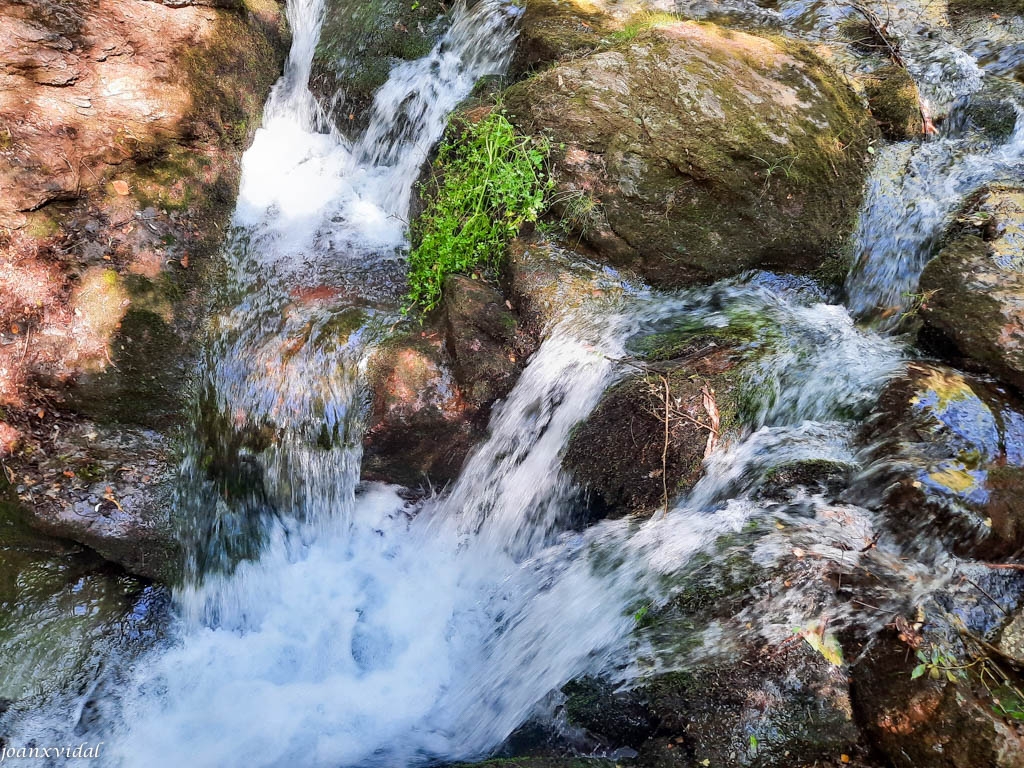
[916,302]
[579,211]
[494,181]
[936,665]
[641,22]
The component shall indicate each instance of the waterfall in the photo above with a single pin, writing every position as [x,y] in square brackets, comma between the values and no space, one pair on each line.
[329,622]
[914,189]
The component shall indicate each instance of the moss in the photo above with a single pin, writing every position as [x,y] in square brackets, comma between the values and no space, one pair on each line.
[228,77]
[619,717]
[690,334]
[41,225]
[895,103]
[552,30]
[987,6]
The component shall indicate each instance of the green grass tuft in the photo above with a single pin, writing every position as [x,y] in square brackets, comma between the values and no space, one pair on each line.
[494,181]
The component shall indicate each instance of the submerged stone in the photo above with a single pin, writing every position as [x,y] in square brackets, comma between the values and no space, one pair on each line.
[947,452]
[933,691]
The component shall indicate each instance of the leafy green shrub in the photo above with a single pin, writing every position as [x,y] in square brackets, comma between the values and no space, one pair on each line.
[493,182]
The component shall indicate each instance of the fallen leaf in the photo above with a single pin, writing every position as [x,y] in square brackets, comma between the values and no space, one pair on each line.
[184,261]
[121,187]
[825,643]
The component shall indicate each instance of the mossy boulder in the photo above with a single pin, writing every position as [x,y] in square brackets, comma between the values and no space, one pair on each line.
[946,463]
[692,152]
[974,289]
[990,112]
[895,103]
[359,44]
[772,708]
[623,453]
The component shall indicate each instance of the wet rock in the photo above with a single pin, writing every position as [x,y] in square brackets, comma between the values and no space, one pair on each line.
[973,291]
[895,103]
[930,696]
[948,451]
[622,453]
[483,336]
[109,490]
[551,30]
[692,153]
[432,387]
[420,427]
[987,6]
[618,718]
[547,279]
[813,476]
[127,155]
[781,707]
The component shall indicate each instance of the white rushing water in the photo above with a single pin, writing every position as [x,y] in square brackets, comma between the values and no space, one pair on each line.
[913,191]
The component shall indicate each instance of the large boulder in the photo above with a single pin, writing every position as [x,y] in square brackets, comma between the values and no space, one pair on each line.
[973,291]
[119,166]
[946,463]
[690,152]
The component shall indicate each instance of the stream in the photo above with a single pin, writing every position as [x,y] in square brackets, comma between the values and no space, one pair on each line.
[333,622]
